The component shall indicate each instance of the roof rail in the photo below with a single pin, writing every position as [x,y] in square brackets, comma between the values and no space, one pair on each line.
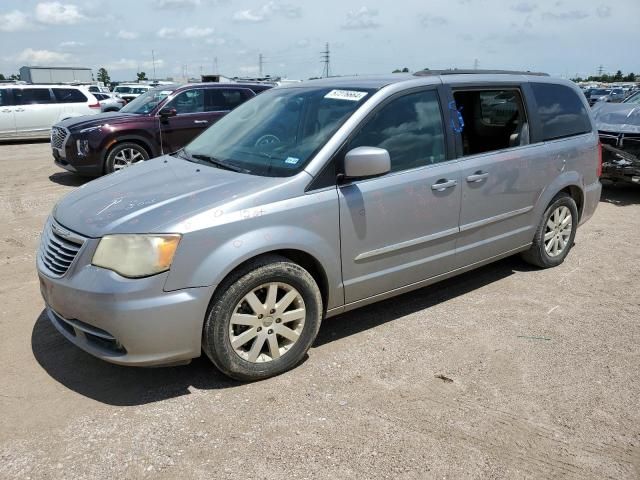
[425,73]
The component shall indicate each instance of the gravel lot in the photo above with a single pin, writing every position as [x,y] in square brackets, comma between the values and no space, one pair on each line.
[545,370]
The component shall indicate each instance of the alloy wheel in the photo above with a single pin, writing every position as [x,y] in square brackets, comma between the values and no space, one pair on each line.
[127,157]
[558,231]
[267,322]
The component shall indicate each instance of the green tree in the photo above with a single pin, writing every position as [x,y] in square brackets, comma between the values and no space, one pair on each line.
[142,76]
[630,78]
[618,76]
[405,70]
[14,77]
[2,77]
[103,76]
[397,70]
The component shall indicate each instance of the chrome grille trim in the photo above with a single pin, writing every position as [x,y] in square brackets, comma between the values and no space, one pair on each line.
[59,249]
[59,137]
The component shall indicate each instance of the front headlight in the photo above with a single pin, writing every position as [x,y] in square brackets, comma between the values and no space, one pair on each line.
[136,256]
[83,147]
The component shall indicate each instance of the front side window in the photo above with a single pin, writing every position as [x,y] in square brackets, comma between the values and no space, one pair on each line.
[189,101]
[561,111]
[277,132]
[4,98]
[493,120]
[410,128]
[69,95]
[29,96]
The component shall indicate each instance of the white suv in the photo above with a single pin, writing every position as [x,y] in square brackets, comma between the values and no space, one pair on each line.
[29,111]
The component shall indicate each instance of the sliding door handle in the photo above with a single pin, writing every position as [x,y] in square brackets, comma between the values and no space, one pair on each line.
[443,184]
[477,177]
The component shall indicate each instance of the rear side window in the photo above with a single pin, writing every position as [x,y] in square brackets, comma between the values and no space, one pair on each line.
[217,99]
[28,96]
[4,98]
[561,111]
[69,95]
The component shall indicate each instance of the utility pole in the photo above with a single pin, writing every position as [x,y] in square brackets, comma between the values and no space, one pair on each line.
[326,54]
[260,64]
[153,60]
[215,62]
[476,64]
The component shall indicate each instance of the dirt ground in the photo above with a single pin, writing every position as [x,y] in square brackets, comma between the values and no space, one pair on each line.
[545,370]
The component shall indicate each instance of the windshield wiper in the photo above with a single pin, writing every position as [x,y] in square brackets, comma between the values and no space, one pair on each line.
[219,163]
[209,159]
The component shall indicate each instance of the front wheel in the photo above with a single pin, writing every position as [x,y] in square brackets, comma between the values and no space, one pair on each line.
[555,234]
[263,320]
[123,155]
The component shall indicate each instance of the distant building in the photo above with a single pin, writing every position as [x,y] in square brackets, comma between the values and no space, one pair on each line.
[56,75]
[217,78]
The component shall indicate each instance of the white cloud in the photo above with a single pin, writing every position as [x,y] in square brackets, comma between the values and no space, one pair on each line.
[364,18]
[14,21]
[170,4]
[188,33]
[126,35]
[524,7]
[603,11]
[30,56]
[130,64]
[56,13]
[428,21]
[266,11]
[71,44]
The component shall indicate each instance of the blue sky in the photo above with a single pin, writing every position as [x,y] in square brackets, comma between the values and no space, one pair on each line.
[562,37]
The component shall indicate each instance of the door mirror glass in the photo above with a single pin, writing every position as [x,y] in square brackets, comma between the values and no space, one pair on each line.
[366,162]
[167,112]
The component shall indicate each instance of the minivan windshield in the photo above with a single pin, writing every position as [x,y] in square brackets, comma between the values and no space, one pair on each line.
[277,132]
[146,102]
[133,90]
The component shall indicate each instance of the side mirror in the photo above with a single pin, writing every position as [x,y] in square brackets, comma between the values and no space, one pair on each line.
[167,112]
[366,162]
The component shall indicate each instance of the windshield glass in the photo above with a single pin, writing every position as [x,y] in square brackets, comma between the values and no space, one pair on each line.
[279,131]
[131,90]
[600,91]
[635,98]
[147,102]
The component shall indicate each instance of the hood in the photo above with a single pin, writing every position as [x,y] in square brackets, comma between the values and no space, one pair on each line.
[617,117]
[87,121]
[156,195]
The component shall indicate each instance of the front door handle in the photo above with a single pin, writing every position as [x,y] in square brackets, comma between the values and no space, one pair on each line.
[477,177]
[199,122]
[443,184]
[19,110]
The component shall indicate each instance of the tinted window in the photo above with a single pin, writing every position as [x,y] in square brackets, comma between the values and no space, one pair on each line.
[69,95]
[561,111]
[100,96]
[409,128]
[189,101]
[4,97]
[26,96]
[223,99]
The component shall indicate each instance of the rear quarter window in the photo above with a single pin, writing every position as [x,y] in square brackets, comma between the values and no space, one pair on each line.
[561,111]
[69,95]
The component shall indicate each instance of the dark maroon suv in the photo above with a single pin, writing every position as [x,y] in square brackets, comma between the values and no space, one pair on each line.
[163,120]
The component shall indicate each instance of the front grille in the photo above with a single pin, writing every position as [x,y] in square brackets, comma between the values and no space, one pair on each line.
[58,250]
[58,136]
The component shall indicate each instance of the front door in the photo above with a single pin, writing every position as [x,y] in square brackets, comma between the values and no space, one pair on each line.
[36,111]
[401,228]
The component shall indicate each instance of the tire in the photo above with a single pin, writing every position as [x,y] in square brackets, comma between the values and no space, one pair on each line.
[123,155]
[540,254]
[265,352]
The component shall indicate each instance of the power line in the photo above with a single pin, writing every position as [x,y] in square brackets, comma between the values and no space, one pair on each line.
[326,55]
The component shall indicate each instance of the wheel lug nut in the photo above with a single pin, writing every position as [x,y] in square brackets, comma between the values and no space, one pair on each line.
[278,320]
[270,332]
[272,311]
[260,316]
[259,328]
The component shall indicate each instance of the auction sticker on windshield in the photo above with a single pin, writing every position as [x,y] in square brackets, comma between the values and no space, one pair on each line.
[351,95]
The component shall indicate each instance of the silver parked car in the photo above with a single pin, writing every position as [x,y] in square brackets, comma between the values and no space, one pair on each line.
[311,200]
[109,102]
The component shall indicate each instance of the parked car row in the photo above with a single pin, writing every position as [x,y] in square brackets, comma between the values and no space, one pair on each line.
[29,111]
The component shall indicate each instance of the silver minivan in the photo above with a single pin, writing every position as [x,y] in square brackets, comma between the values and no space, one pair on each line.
[311,200]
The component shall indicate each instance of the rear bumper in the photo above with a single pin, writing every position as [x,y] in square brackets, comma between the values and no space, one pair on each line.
[123,321]
[591,199]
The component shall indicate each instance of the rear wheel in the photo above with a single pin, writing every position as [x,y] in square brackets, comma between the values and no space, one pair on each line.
[123,155]
[555,234]
[264,320]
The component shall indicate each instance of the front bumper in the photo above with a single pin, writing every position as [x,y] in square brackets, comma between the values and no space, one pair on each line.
[124,321]
[621,157]
[66,156]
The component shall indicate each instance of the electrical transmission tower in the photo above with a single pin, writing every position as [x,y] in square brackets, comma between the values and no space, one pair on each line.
[600,70]
[326,70]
